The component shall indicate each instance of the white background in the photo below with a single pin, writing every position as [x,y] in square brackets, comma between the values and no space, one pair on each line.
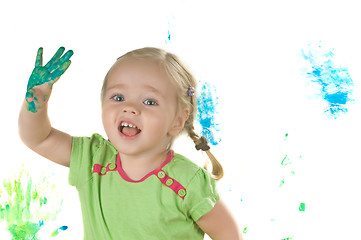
[250,51]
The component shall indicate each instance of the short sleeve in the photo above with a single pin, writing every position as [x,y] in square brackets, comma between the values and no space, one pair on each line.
[201,194]
[82,153]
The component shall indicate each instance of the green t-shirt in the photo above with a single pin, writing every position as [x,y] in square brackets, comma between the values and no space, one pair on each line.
[164,204]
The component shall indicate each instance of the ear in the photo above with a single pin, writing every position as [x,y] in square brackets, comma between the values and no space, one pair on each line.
[179,122]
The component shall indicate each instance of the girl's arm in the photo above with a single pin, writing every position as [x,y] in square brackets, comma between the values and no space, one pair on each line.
[34,125]
[219,224]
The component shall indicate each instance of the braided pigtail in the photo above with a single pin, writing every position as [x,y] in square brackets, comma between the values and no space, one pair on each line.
[201,142]
[187,99]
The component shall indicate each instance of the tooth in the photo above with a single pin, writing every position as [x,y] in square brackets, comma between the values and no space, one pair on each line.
[131,125]
[124,124]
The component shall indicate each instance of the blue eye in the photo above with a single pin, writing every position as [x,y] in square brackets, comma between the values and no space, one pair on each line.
[118,98]
[150,102]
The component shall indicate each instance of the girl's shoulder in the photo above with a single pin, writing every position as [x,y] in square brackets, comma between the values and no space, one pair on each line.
[184,163]
[93,144]
[183,169]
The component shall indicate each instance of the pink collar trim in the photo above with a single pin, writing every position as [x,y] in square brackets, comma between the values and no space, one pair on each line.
[170,156]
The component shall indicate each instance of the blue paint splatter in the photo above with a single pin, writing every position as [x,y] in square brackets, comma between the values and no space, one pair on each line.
[63,228]
[57,231]
[335,81]
[169,36]
[207,103]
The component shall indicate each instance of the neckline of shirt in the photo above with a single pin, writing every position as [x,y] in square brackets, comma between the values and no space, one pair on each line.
[170,156]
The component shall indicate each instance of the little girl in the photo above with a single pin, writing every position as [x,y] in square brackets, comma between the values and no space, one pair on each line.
[133,186]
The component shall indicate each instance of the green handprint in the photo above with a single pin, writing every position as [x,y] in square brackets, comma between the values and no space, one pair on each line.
[50,73]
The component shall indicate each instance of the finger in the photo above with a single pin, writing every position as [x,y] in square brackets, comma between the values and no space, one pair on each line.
[55,57]
[61,61]
[60,70]
[39,58]
[67,56]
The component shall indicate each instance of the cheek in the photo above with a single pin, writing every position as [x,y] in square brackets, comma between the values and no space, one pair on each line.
[104,115]
[107,118]
[157,124]
[106,125]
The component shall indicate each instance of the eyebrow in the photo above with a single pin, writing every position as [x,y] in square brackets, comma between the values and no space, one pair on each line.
[120,85]
[146,86]
[153,89]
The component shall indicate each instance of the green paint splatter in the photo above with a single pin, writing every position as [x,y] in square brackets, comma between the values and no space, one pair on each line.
[245,230]
[302,206]
[282,182]
[286,160]
[289,238]
[57,231]
[24,206]
[49,74]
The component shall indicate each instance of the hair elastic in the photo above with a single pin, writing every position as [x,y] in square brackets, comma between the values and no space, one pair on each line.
[203,145]
[191,91]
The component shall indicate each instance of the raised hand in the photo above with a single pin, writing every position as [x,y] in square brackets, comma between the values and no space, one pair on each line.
[49,74]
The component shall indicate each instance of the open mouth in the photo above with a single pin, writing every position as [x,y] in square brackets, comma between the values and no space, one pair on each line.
[129,129]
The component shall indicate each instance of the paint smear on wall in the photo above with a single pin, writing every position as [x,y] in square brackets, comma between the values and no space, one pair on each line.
[302,207]
[336,85]
[287,205]
[287,163]
[170,32]
[207,101]
[57,231]
[26,206]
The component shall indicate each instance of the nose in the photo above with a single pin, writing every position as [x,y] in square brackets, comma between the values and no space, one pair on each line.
[131,109]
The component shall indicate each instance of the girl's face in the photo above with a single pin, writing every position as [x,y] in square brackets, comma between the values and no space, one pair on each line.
[139,109]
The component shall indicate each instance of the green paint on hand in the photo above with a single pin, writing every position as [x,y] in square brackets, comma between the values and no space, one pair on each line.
[302,206]
[245,230]
[49,74]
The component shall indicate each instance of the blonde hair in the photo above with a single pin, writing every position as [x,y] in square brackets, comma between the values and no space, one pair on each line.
[183,81]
